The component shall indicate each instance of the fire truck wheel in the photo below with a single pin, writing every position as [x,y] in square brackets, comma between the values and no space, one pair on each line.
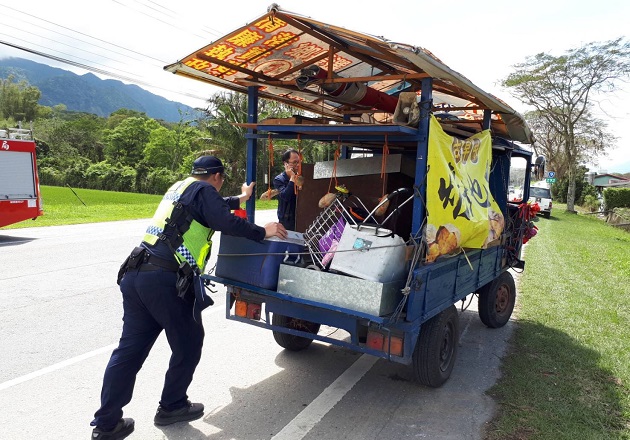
[436,349]
[293,342]
[496,301]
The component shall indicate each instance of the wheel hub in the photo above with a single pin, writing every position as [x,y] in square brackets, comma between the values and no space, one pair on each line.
[503,299]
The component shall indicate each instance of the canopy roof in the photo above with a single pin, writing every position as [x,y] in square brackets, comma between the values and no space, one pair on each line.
[271,51]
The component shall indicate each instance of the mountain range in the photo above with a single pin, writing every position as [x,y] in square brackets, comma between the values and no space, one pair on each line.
[88,93]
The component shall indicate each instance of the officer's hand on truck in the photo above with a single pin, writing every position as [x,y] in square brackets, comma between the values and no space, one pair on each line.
[275,229]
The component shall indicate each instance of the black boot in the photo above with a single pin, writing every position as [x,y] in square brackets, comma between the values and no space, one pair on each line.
[192,411]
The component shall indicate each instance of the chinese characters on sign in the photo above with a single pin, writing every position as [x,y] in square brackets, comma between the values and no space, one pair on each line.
[461,212]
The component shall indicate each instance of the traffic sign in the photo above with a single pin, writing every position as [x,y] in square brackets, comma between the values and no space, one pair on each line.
[553,180]
[551,174]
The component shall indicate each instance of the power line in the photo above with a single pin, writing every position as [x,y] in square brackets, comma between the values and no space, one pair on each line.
[205,28]
[86,35]
[39,26]
[97,70]
[56,50]
[92,66]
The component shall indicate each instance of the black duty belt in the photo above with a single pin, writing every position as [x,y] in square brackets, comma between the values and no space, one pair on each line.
[151,262]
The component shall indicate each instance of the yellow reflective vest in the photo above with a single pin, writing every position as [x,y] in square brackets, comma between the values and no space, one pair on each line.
[197,239]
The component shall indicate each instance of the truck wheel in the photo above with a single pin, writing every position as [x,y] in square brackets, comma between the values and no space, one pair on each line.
[292,342]
[436,349]
[496,301]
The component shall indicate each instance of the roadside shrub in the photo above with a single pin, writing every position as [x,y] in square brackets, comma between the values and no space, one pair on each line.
[158,180]
[50,176]
[106,176]
[582,189]
[591,203]
[617,198]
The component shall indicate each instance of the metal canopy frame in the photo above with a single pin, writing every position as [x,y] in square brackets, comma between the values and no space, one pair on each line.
[269,53]
[265,57]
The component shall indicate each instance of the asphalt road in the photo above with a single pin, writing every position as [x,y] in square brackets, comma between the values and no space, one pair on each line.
[61,318]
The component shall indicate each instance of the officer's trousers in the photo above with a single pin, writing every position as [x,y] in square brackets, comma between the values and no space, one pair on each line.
[150,305]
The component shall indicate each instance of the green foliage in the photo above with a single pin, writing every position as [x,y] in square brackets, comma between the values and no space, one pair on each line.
[126,142]
[582,189]
[158,180]
[617,198]
[591,202]
[105,176]
[18,100]
[130,152]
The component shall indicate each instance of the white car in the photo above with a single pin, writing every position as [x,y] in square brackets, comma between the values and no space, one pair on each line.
[543,197]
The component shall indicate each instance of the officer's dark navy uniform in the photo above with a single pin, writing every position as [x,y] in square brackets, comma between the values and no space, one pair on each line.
[179,237]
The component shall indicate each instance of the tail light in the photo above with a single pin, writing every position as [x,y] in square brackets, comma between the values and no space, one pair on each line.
[385,342]
[248,310]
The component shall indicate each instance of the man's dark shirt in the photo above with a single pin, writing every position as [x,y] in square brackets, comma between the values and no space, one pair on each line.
[212,210]
[286,200]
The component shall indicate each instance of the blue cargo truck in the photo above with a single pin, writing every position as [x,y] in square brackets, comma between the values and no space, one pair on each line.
[409,218]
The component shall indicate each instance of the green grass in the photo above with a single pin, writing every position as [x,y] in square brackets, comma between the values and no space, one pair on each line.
[567,375]
[63,207]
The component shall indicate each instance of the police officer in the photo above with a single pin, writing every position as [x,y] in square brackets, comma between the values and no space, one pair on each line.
[157,281]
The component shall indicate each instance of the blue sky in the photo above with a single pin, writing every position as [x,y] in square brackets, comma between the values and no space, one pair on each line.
[482,40]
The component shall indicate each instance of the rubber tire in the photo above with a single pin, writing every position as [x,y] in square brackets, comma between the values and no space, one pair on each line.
[292,342]
[496,301]
[436,349]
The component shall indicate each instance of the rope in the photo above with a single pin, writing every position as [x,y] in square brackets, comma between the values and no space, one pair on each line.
[334,171]
[300,157]
[384,164]
[261,254]
[270,162]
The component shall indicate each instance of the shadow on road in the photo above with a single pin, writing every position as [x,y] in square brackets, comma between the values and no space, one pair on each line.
[6,240]
[385,403]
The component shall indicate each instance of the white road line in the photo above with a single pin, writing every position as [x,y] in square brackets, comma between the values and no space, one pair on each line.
[57,366]
[71,361]
[297,428]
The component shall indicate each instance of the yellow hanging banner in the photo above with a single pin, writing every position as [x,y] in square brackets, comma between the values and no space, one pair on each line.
[461,212]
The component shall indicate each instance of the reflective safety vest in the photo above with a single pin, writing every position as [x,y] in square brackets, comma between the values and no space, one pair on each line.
[170,214]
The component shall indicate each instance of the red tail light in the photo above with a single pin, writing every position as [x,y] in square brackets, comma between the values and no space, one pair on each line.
[384,342]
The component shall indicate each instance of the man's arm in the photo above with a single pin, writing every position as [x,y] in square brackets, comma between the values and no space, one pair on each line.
[235,202]
[285,187]
[218,217]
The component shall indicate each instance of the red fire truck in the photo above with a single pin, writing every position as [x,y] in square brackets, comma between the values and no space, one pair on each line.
[20,198]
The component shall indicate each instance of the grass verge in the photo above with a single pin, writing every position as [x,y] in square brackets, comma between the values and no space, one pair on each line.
[63,207]
[567,375]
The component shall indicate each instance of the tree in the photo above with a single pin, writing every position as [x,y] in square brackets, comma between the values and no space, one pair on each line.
[83,132]
[228,140]
[590,134]
[126,142]
[563,90]
[18,100]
